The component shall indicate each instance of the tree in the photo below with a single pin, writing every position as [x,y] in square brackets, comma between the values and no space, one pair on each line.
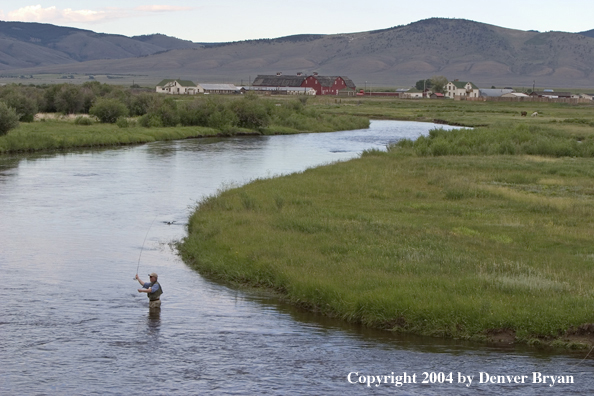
[24,105]
[422,84]
[438,83]
[69,99]
[108,110]
[9,118]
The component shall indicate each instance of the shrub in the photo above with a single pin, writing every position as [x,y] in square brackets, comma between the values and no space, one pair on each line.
[150,120]
[251,113]
[123,122]
[80,120]
[69,99]
[9,118]
[25,107]
[108,110]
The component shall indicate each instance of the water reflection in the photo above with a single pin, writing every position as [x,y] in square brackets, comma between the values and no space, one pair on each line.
[154,320]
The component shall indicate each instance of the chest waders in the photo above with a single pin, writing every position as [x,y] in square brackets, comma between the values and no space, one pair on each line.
[155,296]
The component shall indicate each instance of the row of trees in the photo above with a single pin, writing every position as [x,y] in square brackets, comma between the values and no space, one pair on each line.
[26,101]
[70,98]
[111,103]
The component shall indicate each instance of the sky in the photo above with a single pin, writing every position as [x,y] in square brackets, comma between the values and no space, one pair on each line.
[236,20]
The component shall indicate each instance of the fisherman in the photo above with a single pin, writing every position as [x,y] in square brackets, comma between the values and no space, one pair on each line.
[152,289]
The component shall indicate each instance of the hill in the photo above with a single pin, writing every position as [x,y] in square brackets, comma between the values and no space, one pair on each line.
[24,45]
[485,54]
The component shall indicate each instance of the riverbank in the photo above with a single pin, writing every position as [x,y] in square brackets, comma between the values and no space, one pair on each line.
[189,119]
[494,248]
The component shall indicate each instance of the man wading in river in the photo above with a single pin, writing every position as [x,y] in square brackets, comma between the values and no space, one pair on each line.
[152,289]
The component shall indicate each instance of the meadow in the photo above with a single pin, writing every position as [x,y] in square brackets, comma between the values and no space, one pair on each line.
[480,234]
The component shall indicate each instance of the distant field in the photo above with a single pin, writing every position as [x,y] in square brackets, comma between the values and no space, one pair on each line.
[574,119]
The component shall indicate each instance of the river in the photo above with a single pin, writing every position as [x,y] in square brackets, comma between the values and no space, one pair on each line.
[72,233]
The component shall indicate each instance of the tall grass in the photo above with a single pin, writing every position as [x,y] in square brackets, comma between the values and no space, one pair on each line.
[501,138]
[447,246]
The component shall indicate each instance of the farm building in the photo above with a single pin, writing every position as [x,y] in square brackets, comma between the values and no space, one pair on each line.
[456,89]
[281,90]
[494,92]
[323,85]
[514,95]
[219,88]
[413,93]
[551,94]
[177,87]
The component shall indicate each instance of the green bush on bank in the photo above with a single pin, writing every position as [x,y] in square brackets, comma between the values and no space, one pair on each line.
[9,118]
[108,110]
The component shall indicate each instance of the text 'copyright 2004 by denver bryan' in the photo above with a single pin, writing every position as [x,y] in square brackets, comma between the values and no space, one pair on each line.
[436,378]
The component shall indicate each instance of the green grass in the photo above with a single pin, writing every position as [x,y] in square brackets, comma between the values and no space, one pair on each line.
[573,119]
[66,134]
[452,246]
[60,135]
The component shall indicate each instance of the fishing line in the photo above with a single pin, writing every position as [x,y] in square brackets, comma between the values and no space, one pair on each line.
[140,255]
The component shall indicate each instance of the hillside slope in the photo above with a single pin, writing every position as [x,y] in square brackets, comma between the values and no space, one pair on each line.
[36,44]
[456,48]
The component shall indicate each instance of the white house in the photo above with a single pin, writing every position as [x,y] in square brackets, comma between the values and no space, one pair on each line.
[178,87]
[456,89]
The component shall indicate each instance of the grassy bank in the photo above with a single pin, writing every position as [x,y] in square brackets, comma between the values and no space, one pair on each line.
[217,116]
[450,235]
[60,135]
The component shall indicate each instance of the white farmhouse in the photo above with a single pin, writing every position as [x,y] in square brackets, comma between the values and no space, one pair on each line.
[458,89]
[178,87]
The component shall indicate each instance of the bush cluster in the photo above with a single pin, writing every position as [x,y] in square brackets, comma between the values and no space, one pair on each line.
[111,104]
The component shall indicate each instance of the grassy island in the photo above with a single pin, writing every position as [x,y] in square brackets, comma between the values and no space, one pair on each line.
[482,234]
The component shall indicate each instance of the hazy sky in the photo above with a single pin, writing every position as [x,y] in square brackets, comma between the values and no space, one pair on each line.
[234,20]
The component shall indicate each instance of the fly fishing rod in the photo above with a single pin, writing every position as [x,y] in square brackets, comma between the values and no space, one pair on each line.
[142,247]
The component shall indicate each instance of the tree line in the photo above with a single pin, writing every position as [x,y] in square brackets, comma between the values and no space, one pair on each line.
[112,104]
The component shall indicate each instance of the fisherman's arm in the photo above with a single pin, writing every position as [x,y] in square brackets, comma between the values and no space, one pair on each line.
[152,289]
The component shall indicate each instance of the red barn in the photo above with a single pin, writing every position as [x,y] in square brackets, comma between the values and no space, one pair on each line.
[324,85]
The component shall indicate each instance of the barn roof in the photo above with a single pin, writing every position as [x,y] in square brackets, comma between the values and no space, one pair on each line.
[219,87]
[296,81]
[548,93]
[327,81]
[279,81]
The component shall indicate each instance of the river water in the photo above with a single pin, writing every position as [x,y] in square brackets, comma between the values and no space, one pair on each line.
[72,233]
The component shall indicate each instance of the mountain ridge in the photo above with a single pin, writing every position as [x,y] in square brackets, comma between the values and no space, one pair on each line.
[400,55]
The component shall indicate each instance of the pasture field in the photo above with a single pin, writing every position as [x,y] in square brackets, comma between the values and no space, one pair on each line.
[481,234]
[575,119]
